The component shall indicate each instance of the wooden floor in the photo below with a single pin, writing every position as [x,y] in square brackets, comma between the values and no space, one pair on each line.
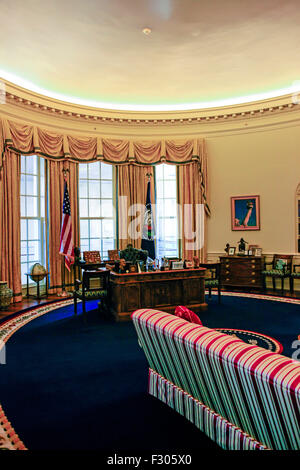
[31,302]
[27,303]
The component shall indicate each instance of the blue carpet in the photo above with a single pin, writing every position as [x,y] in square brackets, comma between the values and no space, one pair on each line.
[70,385]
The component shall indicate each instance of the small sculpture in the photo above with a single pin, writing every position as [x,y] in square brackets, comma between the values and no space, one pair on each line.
[242,245]
[226,249]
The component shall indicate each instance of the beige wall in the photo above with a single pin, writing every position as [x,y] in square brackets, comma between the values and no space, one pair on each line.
[264,163]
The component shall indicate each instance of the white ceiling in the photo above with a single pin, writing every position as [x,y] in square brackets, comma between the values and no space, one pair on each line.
[198,52]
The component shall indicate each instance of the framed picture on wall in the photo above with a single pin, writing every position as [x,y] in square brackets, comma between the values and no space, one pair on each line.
[245,213]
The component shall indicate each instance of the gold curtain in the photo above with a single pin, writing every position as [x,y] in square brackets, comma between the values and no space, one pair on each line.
[133,159]
[194,210]
[56,195]
[10,245]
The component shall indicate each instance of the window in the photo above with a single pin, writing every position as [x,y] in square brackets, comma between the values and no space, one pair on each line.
[32,195]
[166,211]
[96,208]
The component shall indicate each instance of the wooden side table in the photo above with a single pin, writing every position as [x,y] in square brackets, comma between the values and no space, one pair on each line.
[242,271]
[39,278]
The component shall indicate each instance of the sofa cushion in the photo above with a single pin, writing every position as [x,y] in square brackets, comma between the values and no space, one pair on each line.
[186,314]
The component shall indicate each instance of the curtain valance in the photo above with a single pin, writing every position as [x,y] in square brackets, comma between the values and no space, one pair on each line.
[26,139]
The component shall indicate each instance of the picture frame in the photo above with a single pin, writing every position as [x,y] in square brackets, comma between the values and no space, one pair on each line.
[245,213]
[231,251]
[246,252]
[257,251]
[177,265]
[250,253]
[189,264]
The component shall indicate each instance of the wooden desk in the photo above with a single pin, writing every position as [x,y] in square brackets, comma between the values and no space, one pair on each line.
[162,290]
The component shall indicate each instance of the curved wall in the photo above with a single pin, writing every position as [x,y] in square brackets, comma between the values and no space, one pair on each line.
[253,149]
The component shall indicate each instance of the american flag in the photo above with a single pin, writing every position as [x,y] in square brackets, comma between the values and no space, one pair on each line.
[66,238]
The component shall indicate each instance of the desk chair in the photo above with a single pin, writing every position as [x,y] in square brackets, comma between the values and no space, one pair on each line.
[85,290]
[213,280]
[294,275]
[281,268]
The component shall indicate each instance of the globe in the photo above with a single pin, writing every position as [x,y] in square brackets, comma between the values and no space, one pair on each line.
[37,272]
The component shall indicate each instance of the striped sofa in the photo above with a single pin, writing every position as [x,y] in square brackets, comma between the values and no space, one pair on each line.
[242,396]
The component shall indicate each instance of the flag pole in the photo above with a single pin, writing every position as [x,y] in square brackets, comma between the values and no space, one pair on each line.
[64,293]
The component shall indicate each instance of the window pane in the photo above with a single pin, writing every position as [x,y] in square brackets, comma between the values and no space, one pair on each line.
[95,228]
[23,185]
[106,189]
[83,188]
[94,189]
[83,170]
[23,164]
[84,245]
[23,229]
[108,228]
[170,172]
[107,245]
[24,269]
[94,170]
[33,230]
[31,206]
[106,208]
[31,164]
[33,251]
[84,228]
[31,185]
[94,207]
[106,171]
[83,207]
[95,244]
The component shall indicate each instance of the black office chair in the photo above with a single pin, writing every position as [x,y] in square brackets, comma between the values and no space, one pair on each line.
[94,286]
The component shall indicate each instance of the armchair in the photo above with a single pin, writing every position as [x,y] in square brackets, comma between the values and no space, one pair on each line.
[94,285]
[281,267]
[294,275]
[214,278]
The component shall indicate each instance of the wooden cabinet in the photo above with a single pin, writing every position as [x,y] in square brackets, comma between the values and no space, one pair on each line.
[162,290]
[242,272]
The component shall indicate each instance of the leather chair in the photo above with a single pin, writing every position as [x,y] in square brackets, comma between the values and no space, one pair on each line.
[85,290]
[133,255]
[281,268]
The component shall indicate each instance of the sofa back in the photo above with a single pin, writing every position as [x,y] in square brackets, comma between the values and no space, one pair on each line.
[255,389]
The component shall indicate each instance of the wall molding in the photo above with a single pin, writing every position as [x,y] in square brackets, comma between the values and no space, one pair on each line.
[32,108]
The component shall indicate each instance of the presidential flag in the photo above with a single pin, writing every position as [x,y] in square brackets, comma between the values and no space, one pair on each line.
[148,227]
[66,237]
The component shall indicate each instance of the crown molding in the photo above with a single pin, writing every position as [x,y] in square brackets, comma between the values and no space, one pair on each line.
[26,105]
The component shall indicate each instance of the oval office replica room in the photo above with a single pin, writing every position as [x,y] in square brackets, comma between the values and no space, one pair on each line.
[150,229]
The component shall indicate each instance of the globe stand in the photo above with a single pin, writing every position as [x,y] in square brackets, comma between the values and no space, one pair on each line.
[37,278]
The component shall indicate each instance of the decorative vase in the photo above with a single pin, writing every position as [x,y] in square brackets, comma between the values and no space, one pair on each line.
[5,295]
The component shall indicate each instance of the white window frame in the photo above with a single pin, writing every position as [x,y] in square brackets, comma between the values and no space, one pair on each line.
[40,217]
[101,218]
[161,216]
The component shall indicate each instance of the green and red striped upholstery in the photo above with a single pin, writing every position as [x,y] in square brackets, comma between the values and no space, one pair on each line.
[238,385]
